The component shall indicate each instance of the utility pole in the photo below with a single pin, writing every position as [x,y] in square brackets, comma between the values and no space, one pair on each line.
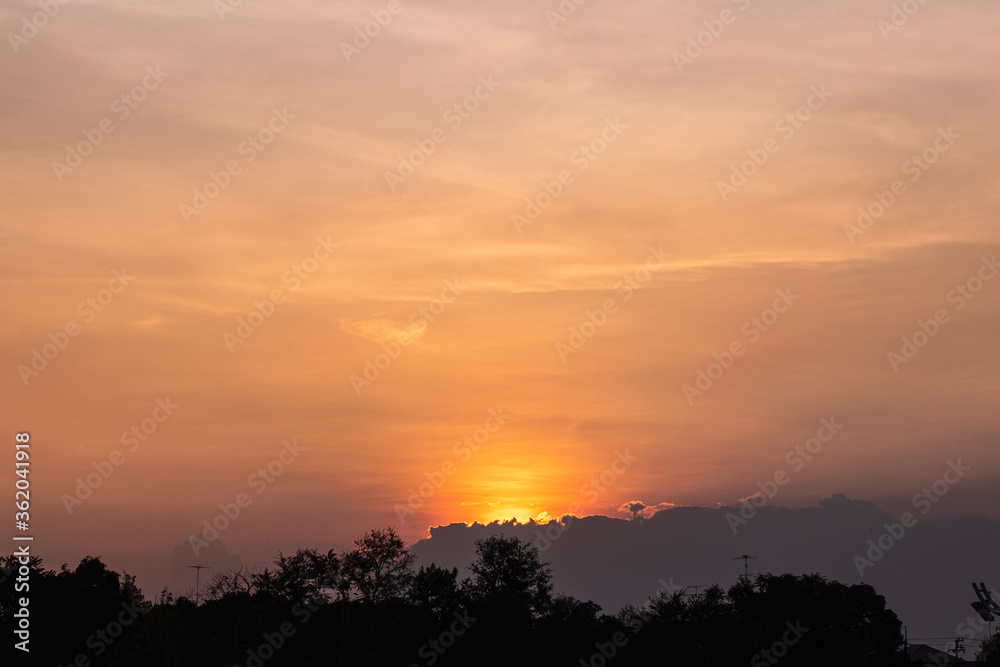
[959,648]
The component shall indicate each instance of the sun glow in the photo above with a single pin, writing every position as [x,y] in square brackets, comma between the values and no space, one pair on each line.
[508,509]
[506,512]
[501,486]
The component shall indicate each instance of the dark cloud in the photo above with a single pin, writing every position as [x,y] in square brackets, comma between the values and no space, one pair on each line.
[616,562]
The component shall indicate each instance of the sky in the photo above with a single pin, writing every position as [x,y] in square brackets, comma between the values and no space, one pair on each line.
[491,261]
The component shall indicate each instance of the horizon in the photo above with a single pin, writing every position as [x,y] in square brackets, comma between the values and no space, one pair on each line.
[933,616]
[950,616]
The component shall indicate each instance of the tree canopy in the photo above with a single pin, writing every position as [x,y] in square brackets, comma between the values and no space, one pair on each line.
[371,605]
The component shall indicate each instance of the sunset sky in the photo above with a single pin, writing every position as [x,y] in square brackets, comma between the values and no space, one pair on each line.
[245,158]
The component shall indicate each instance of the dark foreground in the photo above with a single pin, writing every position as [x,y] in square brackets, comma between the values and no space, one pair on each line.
[370,606]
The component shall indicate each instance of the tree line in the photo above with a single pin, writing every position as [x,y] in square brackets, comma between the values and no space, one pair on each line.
[371,605]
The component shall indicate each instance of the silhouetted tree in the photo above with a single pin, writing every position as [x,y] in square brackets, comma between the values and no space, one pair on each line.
[72,612]
[510,568]
[301,611]
[509,592]
[238,581]
[989,652]
[567,631]
[307,576]
[846,624]
[230,595]
[693,630]
[379,566]
[436,590]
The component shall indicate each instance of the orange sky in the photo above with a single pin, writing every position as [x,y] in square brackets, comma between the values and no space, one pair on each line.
[594,109]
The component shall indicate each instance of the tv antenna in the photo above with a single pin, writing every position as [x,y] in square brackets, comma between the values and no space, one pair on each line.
[985,606]
[746,564]
[197,581]
[986,601]
[695,587]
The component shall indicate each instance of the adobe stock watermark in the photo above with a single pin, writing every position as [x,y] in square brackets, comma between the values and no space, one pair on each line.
[223,7]
[30,26]
[122,107]
[927,329]
[366,33]
[259,482]
[786,126]
[796,459]
[464,448]
[88,309]
[21,571]
[562,12]
[421,319]
[133,438]
[263,310]
[900,16]
[752,329]
[596,319]
[915,167]
[779,649]
[454,116]
[924,501]
[591,490]
[697,44]
[248,149]
[581,158]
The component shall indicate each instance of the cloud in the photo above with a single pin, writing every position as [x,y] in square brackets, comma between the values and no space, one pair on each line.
[617,561]
[640,510]
[384,331]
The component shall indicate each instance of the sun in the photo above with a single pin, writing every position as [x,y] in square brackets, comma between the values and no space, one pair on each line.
[505,511]
[520,481]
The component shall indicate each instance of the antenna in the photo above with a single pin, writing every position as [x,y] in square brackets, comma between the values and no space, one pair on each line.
[985,606]
[746,564]
[985,598]
[197,581]
[695,587]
